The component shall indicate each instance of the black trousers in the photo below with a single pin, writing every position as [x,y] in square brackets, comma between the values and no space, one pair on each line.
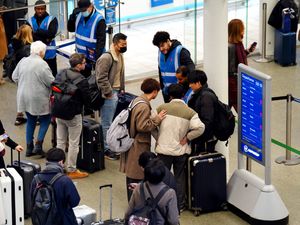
[53,65]
[2,164]
[203,147]
[128,181]
[179,165]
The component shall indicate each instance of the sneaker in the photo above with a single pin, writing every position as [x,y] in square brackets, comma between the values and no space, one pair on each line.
[182,209]
[20,121]
[111,155]
[77,174]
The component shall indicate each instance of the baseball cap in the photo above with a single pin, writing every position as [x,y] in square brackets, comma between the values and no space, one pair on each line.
[83,4]
[40,3]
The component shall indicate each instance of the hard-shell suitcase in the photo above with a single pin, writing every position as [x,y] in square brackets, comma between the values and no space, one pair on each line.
[11,186]
[285,48]
[123,102]
[84,214]
[91,158]
[27,169]
[207,182]
[110,221]
[2,212]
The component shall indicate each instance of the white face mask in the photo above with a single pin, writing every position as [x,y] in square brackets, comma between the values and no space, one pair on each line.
[86,13]
[2,147]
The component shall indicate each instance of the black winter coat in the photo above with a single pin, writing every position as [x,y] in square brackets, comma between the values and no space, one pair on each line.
[275,19]
[203,102]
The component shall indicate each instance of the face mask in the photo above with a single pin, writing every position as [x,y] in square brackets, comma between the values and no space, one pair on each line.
[123,49]
[85,13]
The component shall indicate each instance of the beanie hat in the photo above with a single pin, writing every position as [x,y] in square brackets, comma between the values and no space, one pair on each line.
[82,4]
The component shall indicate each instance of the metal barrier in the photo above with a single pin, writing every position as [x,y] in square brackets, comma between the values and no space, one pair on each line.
[288,159]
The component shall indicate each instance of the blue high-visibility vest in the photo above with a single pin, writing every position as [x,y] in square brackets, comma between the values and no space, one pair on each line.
[168,67]
[85,38]
[188,95]
[51,47]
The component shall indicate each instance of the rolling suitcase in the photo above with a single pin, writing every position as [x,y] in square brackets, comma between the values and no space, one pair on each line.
[84,214]
[11,186]
[27,169]
[91,153]
[110,221]
[123,102]
[207,182]
[285,48]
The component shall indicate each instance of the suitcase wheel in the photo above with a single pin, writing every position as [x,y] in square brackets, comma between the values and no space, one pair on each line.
[224,206]
[196,212]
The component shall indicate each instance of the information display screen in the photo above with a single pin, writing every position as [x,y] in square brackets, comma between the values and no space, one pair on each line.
[252,109]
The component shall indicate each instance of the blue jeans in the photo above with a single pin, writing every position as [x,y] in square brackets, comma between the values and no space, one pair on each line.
[107,113]
[31,124]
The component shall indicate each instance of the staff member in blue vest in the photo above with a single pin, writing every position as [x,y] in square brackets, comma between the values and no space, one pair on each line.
[181,75]
[44,29]
[171,55]
[90,28]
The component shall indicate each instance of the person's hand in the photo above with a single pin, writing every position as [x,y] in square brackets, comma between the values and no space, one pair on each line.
[132,186]
[19,148]
[184,140]
[76,11]
[162,114]
[109,96]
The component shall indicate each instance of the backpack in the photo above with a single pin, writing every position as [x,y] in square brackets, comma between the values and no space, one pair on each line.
[118,138]
[44,208]
[11,60]
[9,64]
[146,215]
[64,105]
[95,93]
[224,121]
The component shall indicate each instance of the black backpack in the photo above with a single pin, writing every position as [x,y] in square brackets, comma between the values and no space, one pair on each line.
[95,93]
[224,121]
[44,208]
[147,213]
[64,104]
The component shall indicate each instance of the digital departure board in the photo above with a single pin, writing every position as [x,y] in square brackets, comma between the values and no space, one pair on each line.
[253,100]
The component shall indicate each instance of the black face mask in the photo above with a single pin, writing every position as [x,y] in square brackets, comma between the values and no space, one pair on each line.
[123,49]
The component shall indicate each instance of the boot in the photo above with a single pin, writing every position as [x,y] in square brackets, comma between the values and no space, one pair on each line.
[29,150]
[38,148]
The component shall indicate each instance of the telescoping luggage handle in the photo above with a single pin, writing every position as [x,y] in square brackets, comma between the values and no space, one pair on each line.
[110,197]
[12,157]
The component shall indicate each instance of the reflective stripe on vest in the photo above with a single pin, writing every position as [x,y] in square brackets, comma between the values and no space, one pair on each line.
[188,95]
[51,47]
[168,67]
[85,37]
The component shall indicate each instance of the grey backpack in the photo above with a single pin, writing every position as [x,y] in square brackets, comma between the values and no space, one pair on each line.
[117,137]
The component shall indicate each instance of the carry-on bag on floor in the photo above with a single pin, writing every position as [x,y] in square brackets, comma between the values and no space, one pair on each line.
[27,169]
[123,102]
[11,186]
[110,221]
[285,48]
[91,153]
[2,212]
[84,214]
[207,182]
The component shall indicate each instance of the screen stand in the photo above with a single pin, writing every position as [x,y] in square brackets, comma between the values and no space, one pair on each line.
[250,198]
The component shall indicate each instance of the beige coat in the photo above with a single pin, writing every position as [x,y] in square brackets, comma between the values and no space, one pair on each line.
[3,41]
[141,126]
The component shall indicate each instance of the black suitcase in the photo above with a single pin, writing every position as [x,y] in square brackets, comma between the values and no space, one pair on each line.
[123,102]
[91,152]
[207,183]
[27,169]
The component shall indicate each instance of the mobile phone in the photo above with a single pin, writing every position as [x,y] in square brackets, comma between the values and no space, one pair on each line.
[252,47]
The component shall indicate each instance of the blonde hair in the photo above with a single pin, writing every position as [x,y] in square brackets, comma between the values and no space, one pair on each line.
[235,31]
[24,34]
